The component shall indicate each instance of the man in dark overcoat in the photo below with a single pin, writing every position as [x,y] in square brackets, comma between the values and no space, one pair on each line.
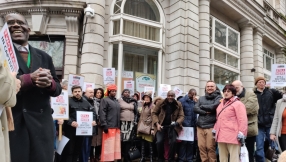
[33,137]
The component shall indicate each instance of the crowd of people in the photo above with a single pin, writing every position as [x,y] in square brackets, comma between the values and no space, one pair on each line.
[222,121]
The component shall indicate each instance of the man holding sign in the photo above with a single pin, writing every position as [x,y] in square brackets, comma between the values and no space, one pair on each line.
[32,113]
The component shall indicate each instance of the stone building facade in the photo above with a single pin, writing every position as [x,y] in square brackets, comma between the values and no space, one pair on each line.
[179,42]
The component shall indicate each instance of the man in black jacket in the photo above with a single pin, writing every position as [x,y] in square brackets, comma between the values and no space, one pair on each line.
[32,113]
[267,99]
[76,103]
[206,108]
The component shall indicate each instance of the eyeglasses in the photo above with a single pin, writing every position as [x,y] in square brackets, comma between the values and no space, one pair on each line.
[12,22]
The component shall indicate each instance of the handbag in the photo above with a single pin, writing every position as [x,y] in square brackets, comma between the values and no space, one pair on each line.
[134,153]
[271,153]
[143,128]
[243,154]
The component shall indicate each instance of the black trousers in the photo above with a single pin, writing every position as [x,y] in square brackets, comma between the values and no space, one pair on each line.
[186,151]
[249,143]
[282,142]
[73,148]
[160,137]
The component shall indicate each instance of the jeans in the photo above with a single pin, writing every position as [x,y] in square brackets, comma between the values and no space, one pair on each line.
[263,134]
[186,151]
[160,138]
[85,149]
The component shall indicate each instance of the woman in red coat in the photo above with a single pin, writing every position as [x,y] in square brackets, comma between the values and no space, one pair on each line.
[231,125]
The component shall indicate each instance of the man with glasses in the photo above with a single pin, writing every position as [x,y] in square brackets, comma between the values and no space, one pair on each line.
[33,137]
[249,99]
[167,118]
[206,108]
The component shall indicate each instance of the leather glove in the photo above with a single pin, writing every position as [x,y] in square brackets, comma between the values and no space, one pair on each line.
[213,133]
[105,129]
[241,137]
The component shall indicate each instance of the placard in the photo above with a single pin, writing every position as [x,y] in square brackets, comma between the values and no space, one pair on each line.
[9,56]
[60,105]
[61,144]
[87,85]
[149,89]
[163,90]
[186,134]
[75,80]
[84,121]
[278,75]
[178,91]
[144,80]
[129,85]
[108,76]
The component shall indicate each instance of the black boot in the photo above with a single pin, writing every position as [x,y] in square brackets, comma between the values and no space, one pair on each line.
[151,151]
[142,151]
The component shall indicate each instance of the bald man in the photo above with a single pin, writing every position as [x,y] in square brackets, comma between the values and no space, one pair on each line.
[249,99]
[167,112]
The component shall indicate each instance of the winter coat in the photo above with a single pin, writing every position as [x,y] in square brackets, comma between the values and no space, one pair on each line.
[34,126]
[250,102]
[146,116]
[188,107]
[7,84]
[97,139]
[109,113]
[158,114]
[207,103]
[126,110]
[267,103]
[276,126]
[231,118]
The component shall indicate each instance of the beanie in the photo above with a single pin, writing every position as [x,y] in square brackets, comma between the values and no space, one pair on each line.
[259,78]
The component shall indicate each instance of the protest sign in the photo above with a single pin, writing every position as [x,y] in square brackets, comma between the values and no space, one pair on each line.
[178,91]
[60,105]
[149,89]
[87,85]
[186,134]
[8,53]
[75,80]
[163,90]
[61,144]
[84,121]
[144,80]
[129,85]
[108,76]
[278,75]
[125,76]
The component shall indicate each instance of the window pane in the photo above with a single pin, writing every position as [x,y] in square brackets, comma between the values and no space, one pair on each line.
[220,33]
[55,49]
[117,6]
[220,56]
[116,27]
[146,9]
[152,65]
[232,61]
[268,63]
[115,56]
[267,77]
[141,31]
[223,76]
[232,40]
[133,62]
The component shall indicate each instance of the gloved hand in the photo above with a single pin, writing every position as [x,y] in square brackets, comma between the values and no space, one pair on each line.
[105,129]
[213,133]
[175,124]
[241,137]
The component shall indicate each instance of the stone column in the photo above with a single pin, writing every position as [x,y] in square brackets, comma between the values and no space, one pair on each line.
[119,69]
[204,47]
[93,45]
[258,52]
[280,56]
[159,70]
[246,55]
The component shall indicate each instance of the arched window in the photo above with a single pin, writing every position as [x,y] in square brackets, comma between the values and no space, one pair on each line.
[136,41]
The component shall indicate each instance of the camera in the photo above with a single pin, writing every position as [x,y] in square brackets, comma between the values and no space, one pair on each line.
[88,11]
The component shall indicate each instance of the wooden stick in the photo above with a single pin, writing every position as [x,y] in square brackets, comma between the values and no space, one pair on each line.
[60,131]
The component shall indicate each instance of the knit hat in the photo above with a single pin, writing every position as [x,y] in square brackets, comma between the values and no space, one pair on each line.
[147,94]
[259,78]
[109,88]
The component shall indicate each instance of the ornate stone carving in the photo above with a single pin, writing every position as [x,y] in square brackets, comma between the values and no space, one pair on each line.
[250,11]
[72,19]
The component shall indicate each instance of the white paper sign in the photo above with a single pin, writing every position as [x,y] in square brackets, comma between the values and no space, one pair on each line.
[60,105]
[278,75]
[9,56]
[61,144]
[163,90]
[87,85]
[75,80]
[187,134]
[177,91]
[150,89]
[129,85]
[84,121]
[108,76]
